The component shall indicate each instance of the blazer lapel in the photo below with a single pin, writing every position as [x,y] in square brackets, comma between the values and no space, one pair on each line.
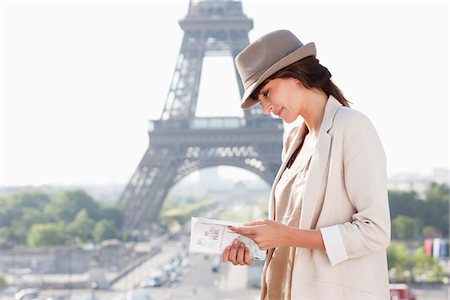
[296,141]
[313,195]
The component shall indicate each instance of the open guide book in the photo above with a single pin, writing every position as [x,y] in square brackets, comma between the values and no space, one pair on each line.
[213,236]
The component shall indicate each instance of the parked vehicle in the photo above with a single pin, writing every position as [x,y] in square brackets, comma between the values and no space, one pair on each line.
[27,294]
[152,282]
[157,278]
[401,292]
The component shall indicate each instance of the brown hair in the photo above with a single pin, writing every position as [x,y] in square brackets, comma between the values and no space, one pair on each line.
[311,74]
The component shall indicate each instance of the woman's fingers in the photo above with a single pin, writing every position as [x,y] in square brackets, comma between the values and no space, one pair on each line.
[257,222]
[248,259]
[233,252]
[225,254]
[248,231]
[237,254]
[240,254]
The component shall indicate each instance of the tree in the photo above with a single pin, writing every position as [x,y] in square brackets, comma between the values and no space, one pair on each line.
[430,232]
[436,211]
[113,214]
[4,237]
[73,210]
[406,228]
[11,207]
[404,203]
[3,282]
[104,230]
[65,206]
[433,210]
[32,215]
[397,255]
[426,268]
[45,235]
[438,192]
[81,227]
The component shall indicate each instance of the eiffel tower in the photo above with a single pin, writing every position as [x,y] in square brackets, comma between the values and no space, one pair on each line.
[181,143]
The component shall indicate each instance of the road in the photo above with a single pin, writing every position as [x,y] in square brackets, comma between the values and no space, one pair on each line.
[198,282]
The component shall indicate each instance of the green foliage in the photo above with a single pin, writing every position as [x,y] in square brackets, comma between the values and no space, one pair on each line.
[113,214]
[398,257]
[170,202]
[74,214]
[426,268]
[430,232]
[183,212]
[239,214]
[104,230]
[4,237]
[3,282]
[11,207]
[405,203]
[45,235]
[436,210]
[65,206]
[438,193]
[432,211]
[416,266]
[406,228]
[81,227]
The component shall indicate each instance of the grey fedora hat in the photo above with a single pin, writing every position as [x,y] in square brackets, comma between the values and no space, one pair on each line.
[267,55]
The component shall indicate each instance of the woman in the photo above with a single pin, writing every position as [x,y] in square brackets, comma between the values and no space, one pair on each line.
[329,223]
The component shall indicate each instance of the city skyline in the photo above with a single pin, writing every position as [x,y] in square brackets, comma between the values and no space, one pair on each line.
[81,80]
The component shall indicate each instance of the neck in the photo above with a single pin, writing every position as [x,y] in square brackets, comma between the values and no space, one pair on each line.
[313,113]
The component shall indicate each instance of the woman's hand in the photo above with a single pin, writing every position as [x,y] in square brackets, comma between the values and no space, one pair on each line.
[237,253]
[266,234]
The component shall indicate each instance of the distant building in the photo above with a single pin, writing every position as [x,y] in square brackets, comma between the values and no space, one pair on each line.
[419,182]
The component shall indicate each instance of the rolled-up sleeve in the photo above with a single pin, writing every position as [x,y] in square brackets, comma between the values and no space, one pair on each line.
[366,186]
[334,247]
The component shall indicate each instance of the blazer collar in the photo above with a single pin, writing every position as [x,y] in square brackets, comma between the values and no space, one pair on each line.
[330,111]
[316,183]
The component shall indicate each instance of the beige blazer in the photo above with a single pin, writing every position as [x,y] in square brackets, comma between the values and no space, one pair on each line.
[346,186]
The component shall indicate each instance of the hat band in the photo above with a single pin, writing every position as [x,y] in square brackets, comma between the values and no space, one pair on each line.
[247,83]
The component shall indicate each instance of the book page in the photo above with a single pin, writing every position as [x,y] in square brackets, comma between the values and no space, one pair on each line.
[213,236]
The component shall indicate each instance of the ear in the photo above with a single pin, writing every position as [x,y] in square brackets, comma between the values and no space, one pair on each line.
[297,81]
[301,85]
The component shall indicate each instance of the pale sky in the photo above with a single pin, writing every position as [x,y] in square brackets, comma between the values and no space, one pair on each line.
[81,79]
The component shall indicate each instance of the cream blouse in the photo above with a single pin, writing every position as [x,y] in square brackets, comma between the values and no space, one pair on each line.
[288,199]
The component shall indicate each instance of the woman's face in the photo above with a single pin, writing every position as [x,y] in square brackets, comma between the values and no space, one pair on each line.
[284,97]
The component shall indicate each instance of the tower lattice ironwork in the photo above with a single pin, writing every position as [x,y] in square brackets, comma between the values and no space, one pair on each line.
[180,142]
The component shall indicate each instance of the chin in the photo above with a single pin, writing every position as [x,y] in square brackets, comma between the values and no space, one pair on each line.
[288,120]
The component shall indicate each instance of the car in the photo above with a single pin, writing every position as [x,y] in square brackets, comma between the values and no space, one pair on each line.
[156,278]
[175,276]
[152,282]
[27,294]
[401,292]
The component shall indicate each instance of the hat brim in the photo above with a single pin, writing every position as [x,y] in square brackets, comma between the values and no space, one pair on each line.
[302,52]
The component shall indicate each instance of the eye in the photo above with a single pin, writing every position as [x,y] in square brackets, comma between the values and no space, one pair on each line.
[265,93]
